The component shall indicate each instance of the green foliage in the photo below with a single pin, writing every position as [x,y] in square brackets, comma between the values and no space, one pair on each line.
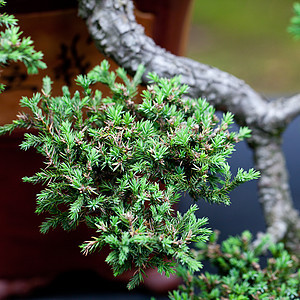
[120,167]
[240,273]
[14,48]
[294,27]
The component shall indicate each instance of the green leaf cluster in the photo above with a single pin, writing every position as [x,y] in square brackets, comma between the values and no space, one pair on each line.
[241,274]
[120,167]
[14,48]
[294,27]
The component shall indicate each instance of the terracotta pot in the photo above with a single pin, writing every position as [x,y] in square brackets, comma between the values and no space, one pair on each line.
[28,258]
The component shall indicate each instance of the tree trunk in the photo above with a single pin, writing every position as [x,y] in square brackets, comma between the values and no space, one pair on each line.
[275,198]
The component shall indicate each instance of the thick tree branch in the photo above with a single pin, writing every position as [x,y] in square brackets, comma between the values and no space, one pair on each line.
[274,192]
[282,111]
[117,35]
[112,25]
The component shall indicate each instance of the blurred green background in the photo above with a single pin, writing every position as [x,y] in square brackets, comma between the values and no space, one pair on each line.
[248,39]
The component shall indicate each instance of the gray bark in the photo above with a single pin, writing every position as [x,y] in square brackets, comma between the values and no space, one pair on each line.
[112,25]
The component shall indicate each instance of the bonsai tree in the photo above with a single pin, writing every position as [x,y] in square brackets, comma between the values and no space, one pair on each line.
[120,166]
[125,42]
